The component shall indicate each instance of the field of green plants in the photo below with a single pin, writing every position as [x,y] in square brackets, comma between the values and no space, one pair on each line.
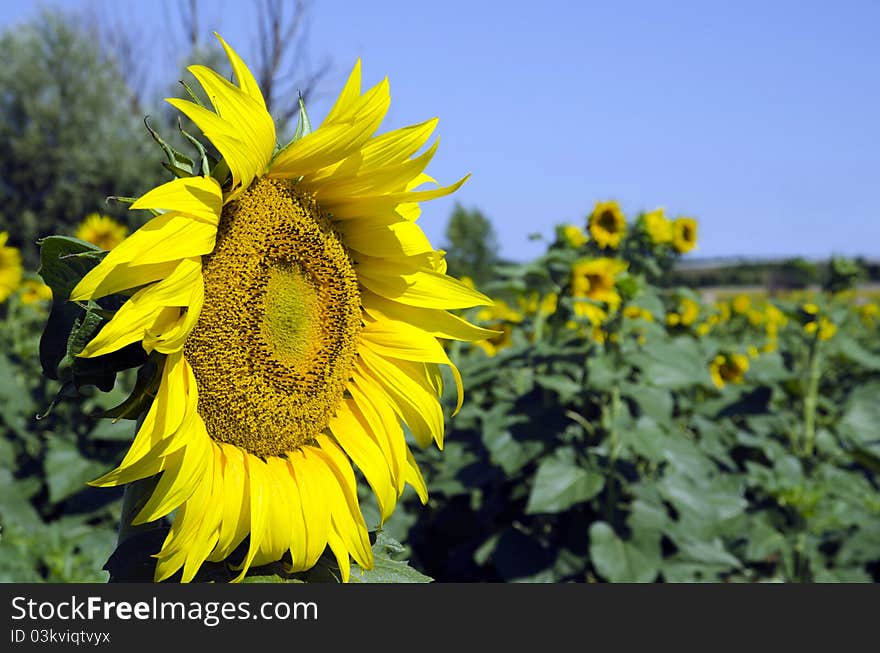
[616,429]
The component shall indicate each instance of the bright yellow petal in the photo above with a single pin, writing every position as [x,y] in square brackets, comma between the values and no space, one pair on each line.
[353,435]
[198,197]
[243,75]
[150,253]
[393,339]
[406,387]
[137,315]
[364,206]
[414,477]
[186,468]
[437,322]
[233,502]
[414,286]
[380,237]
[256,475]
[334,140]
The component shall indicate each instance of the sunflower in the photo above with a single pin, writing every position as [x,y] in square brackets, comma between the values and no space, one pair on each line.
[34,291]
[572,235]
[295,309]
[684,234]
[658,227]
[101,230]
[607,225]
[595,279]
[10,268]
[728,368]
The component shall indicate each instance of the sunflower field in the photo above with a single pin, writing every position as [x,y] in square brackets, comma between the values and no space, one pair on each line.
[276,377]
[614,429]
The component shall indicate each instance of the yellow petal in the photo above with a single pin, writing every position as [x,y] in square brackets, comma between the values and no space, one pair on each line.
[353,435]
[246,80]
[233,503]
[437,322]
[198,197]
[414,477]
[185,469]
[315,506]
[279,488]
[415,286]
[364,206]
[407,390]
[381,238]
[334,140]
[356,537]
[393,339]
[385,429]
[372,181]
[137,315]
[256,473]
[148,254]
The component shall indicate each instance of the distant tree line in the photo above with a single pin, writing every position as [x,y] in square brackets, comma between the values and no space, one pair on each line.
[785,274]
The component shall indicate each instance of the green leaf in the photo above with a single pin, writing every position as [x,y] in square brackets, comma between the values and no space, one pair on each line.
[563,386]
[66,470]
[63,262]
[653,402]
[646,439]
[862,417]
[619,561]
[387,568]
[560,485]
[675,365]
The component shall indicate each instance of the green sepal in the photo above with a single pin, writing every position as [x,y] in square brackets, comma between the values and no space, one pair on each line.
[220,172]
[303,125]
[178,163]
[192,95]
[206,164]
[149,376]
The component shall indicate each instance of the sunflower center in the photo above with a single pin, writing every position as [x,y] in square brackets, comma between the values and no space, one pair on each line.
[608,221]
[275,343]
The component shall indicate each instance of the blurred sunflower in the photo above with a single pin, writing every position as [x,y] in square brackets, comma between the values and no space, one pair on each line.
[684,234]
[572,235]
[728,368]
[297,307]
[10,268]
[33,292]
[658,227]
[607,225]
[596,278]
[101,230]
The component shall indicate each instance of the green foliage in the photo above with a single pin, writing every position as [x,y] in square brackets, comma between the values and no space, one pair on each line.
[608,453]
[57,162]
[472,246]
[53,527]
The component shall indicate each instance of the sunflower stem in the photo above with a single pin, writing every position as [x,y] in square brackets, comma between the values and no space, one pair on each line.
[811,399]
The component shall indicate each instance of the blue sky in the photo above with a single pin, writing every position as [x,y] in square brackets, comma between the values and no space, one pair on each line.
[760,119]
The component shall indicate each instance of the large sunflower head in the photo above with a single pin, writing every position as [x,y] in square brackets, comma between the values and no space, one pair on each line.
[101,230]
[607,225]
[684,234]
[10,268]
[294,307]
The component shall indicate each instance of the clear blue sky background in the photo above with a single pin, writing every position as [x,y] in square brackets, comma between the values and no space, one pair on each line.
[761,119]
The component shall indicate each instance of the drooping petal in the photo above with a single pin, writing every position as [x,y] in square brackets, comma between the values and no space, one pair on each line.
[136,317]
[149,254]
